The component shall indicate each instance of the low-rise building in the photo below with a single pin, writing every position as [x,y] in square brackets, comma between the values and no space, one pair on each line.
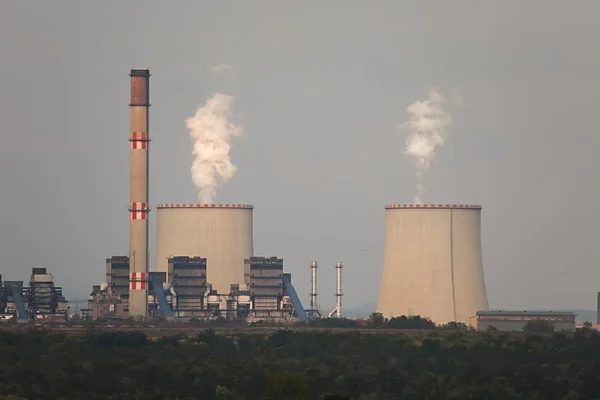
[516,320]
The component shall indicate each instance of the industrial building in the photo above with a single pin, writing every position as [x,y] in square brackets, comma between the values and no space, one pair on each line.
[205,266]
[516,320]
[432,262]
[40,299]
[3,300]
[221,233]
[187,276]
[266,292]
[264,278]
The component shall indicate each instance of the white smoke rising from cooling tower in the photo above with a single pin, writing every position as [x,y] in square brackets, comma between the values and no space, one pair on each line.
[426,134]
[211,131]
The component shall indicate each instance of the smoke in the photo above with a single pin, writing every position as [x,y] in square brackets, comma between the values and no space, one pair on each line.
[224,69]
[211,131]
[426,133]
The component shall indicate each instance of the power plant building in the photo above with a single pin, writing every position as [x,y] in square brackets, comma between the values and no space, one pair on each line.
[220,233]
[513,321]
[264,278]
[117,284]
[433,263]
[41,299]
[187,276]
[201,251]
[44,297]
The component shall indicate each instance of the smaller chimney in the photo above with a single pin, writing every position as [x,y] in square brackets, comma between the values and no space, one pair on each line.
[338,305]
[313,281]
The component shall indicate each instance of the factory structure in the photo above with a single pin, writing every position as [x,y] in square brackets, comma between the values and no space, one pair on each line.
[205,266]
[433,262]
[39,299]
[510,321]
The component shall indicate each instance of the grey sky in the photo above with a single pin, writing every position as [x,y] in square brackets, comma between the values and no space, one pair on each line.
[320,89]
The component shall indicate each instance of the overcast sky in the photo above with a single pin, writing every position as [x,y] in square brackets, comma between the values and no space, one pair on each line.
[320,88]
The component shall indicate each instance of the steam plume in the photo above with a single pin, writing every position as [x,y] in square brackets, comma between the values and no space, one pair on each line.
[223,69]
[211,131]
[426,133]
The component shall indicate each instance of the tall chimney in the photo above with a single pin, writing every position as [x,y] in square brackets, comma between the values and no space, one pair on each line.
[313,281]
[138,187]
[338,295]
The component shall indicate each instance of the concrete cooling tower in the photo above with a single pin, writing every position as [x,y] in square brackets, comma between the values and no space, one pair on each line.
[222,233]
[433,263]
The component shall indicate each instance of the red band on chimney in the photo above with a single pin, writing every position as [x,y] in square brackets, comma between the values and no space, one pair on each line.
[137,281]
[138,210]
[139,140]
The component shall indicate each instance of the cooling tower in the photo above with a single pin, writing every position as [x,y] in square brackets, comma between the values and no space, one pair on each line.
[432,263]
[222,233]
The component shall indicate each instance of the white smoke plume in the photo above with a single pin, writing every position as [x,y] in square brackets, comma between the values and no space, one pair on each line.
[426,128]
[224,69]
[211,131]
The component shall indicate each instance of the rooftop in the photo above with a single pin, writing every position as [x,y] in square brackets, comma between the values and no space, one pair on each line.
[433,206]
[525,313]
[179,205]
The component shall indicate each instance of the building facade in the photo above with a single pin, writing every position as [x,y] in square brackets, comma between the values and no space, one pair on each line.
[512,321]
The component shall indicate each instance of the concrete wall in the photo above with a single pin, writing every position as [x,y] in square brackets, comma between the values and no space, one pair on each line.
[433,263]
[219,232]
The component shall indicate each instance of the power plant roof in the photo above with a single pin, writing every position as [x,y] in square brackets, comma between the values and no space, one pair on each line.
[434,206]
[525,313]
[243,206]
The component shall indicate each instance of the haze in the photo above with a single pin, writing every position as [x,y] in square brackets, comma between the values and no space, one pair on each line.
[320,89]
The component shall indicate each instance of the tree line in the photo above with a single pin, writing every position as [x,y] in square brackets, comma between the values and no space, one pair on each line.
[299,365]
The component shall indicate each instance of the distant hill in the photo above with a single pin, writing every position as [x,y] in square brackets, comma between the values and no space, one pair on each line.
[361,311]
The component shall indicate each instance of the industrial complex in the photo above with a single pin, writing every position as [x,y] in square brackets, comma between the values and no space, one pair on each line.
[40,299]
[205,266]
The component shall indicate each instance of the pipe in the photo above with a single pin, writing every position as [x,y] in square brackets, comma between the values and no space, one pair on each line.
[313,293]
[338,295]
[138,190]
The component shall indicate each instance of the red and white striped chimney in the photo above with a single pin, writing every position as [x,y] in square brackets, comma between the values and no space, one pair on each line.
[138,207]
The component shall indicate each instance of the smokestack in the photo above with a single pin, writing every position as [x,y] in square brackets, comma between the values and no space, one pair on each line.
[138,186]
[313,281]
[338,295]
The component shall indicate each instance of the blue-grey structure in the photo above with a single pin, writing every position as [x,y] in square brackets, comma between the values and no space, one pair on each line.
[183,291]
[40,299]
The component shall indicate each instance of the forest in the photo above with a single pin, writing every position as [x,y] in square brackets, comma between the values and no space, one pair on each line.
[300,366]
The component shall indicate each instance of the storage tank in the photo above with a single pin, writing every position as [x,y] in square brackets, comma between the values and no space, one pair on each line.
[433,262]
[221,233]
